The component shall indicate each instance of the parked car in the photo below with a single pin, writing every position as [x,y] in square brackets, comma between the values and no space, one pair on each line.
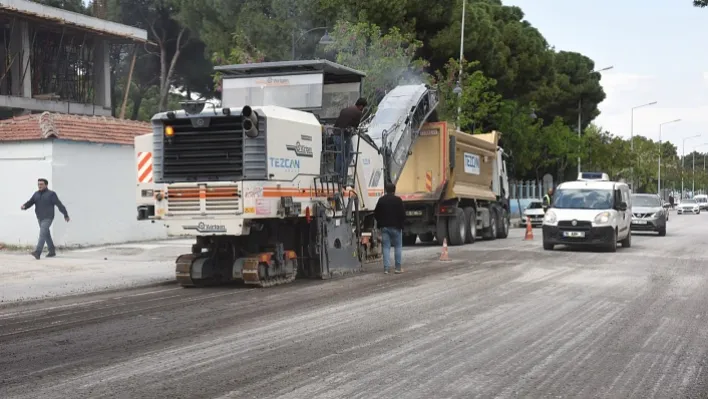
[702,200]
[535,212]
[648,214]
[688,206]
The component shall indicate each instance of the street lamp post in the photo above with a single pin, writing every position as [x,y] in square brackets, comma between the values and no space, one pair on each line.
[658,181]
[683,159]
[693,155]
[631,137]
[580,110]
[326,38]
[458,88]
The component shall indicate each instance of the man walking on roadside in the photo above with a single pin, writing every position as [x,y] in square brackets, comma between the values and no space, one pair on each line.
[390,215]
[44,201]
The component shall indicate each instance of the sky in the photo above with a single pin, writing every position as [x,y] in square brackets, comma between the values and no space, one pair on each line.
[659,51]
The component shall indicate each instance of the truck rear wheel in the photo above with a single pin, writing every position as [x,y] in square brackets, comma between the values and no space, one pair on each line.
[457,228]
[504,223]
[441,230]
[471,224]
[491,232]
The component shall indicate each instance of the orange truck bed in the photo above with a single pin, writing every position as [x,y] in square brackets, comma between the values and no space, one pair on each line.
[428,175]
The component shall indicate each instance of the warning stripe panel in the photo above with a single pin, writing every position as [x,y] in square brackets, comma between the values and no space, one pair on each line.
[429,181]
[145,167]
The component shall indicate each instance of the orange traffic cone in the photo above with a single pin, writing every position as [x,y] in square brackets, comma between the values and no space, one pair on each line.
[529,229]
[444,256]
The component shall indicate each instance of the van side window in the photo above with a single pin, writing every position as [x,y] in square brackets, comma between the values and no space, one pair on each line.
[626,197]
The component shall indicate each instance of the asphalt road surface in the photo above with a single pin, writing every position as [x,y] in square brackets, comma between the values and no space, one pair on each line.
[502,319]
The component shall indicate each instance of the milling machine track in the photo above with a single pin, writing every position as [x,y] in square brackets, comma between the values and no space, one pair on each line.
[184,264]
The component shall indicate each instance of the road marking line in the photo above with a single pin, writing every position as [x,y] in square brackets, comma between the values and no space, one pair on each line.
[71,305]
[146,293]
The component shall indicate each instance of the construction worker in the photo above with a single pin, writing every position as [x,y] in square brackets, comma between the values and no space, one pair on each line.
[390,216]
[547,200]
[346,124]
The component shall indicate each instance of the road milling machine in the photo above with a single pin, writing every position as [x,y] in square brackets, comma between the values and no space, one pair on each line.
[253,180]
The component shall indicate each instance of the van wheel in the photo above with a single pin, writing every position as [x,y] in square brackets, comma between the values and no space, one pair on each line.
[457,228]
[662,231]
[612,247]
[471,222]
[627,242]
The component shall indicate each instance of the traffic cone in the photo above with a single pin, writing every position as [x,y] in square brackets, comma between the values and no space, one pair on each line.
[529,229]
[444,256]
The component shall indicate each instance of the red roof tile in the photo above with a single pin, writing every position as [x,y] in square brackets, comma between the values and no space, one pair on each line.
[95,129]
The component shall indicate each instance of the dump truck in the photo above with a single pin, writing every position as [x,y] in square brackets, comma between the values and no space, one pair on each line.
[455,187]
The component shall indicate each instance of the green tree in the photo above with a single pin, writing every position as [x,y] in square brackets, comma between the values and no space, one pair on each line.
[700,3]
[241,51]
[68,5]
[574,85]
[478,102]
[520,128]
[387,59]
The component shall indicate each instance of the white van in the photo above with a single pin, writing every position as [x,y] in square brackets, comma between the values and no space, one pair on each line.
[589,212]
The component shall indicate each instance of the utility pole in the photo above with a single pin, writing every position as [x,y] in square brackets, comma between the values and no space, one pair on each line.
[631,138]
[658,181]
[458,89]
[580,110]
[683,159]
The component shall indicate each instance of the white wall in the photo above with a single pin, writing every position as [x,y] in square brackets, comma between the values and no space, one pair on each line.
[21,164]
[96,183]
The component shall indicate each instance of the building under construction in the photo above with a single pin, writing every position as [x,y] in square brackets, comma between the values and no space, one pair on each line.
[56,60]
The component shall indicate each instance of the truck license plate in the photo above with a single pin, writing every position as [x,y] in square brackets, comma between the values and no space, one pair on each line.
[574,234]
[640,222]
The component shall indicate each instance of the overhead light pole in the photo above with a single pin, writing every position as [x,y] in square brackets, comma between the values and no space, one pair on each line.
[658,182]
[580,110]
[631,137]
[458,88]
[693,155]
[683,159]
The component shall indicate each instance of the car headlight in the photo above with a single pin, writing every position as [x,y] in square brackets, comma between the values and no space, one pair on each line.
[603,218]
[550,218]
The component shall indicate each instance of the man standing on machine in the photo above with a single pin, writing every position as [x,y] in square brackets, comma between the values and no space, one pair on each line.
[345,126]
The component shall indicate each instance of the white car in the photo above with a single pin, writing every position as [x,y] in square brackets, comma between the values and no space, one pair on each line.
[535,212]
[702,201]
[688,206]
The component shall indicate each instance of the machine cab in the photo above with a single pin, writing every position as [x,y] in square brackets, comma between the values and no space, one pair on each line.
[318,86]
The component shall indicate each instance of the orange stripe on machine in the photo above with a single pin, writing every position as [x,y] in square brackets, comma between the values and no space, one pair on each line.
[145,167]
[429,181]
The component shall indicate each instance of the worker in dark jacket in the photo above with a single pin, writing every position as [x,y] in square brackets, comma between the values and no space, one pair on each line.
[390,215]
[347,122]
[44,201]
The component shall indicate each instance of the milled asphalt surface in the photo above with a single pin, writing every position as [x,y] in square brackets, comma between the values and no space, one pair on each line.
[502,319]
